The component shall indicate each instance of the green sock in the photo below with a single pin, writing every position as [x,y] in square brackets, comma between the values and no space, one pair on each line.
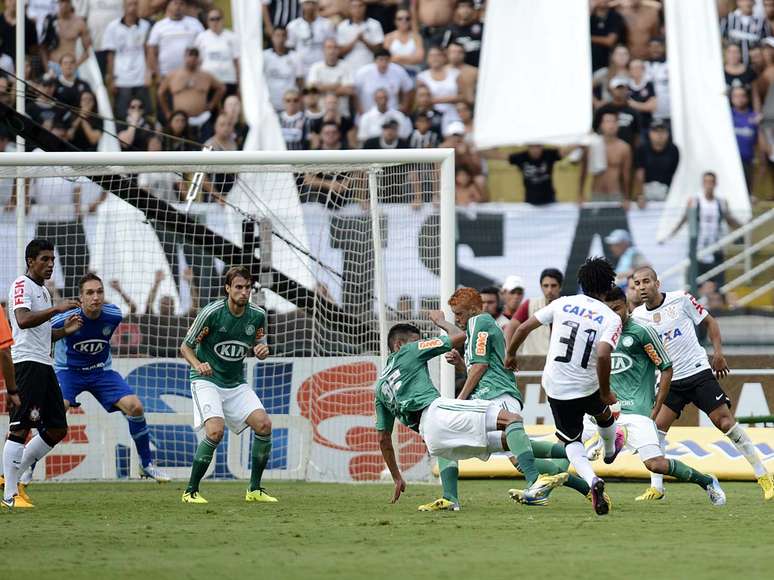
[259,456]
[201,462]
[549,467]
[519,445]
[541,449]
[681,471]
[449,475]
[558,451]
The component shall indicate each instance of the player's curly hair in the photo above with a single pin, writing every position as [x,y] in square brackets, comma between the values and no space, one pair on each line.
[466,297]
[596,276]
[403,330]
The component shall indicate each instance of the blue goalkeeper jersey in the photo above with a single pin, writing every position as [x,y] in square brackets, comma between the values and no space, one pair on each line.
[89,348]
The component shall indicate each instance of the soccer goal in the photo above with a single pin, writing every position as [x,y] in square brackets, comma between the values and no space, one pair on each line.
[342,244]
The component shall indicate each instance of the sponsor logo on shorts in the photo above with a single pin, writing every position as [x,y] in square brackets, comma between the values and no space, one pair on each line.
[92,347]
[481,343]
[620,363]
[432,343]
[231,350]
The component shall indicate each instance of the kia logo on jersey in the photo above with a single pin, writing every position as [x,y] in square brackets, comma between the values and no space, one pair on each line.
[231,350]
[92,347]
[620,363]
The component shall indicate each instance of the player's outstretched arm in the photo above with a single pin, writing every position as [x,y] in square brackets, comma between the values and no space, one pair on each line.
[25,318]
[388,453]
[519,336]
[456,336]
[604,365]
[189,355]
[718,362]
[9,376]
[471,382]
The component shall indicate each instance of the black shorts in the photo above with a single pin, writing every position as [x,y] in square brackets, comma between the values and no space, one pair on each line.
[568,415]
[41,398]
[701,389]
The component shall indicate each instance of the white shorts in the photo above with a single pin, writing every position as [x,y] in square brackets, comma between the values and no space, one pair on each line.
[641,434]
[508,403]
[232,405]
[457,429]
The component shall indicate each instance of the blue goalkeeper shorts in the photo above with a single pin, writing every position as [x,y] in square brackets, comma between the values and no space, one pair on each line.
[108,387]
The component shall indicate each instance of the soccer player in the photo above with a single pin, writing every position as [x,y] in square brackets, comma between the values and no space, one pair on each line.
[635,360]
[576,377]
[40,404]
[489,380]
[452,429]
[221,336]
[83,364]
[695,379]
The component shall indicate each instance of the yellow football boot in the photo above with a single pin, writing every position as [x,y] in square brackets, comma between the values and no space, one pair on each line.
[650,494]
[767,485]
[259,495]
[193,497]
[439,505]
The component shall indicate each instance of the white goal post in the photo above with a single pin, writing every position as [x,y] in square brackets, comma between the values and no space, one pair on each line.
[342,244]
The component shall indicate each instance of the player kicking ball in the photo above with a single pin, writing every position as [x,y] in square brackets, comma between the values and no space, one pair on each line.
[635,360]
[674,315]
[452,429]
[223,334]
[576,377]
[82,363]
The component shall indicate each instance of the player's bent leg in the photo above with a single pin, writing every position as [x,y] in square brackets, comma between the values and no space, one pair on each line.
[612,438]
[131,407]
[260,453]
[12,455]
[449,472]
[666,416]
[214,428]
[726,422]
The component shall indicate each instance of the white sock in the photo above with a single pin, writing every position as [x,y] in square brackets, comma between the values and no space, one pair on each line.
[26,477]
[742,442]
[576,453]
[12,454]
[608,437]
[657,479]
[34,451]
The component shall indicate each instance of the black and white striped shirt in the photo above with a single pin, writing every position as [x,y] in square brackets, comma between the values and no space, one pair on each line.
[420,141]
[746,31]
[293,130]
[283,11]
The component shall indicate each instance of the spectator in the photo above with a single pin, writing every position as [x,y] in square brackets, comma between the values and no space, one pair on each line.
[134,136]
[292,121]
[189,89]
[68,86]
[164,332]
[739,74]
[56,208]
[607,30]
[405,307]
[164,185]
[658,72]
[218,185]
[333,190]
[537,342]
[466,31]
[537,167]
[279,13]
[465,155]
[423,105]
[468,74]
[612,183]
[746,130]
[432,19]
[219,49]
[61,32]
[443,84]
[98,14]
[37,10]
[8,32]
[313,113]
[307,33]
[628,257]
[643,21]
[465,113]
[466,191]
[330,137]
[423,136]
[127,73]
[655,163]
[712,212]
[169,38]
[642,94]
[388,139]
[223,135]
[43,110]
[405,44]
[7,96]
[86,129]
[358,37]
[281,68]
[332,75]
[511,295]
[490,298]
[178,135]
[334,10]
[332,114]
[618,67]
[372,121]
[744,27]
[705,290]
[768,11]
[383,74]
[232,108]
[628,119]
[384,12]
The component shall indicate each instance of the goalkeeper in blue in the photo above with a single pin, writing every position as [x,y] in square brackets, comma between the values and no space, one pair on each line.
[82,363]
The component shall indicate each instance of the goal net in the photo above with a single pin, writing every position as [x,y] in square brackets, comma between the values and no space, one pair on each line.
[341,246]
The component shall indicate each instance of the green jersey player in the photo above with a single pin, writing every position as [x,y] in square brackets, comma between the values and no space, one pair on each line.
[452,429]
[222,335]
[636,357]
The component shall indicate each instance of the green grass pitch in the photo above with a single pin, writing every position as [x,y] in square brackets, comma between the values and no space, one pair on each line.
[143,531]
